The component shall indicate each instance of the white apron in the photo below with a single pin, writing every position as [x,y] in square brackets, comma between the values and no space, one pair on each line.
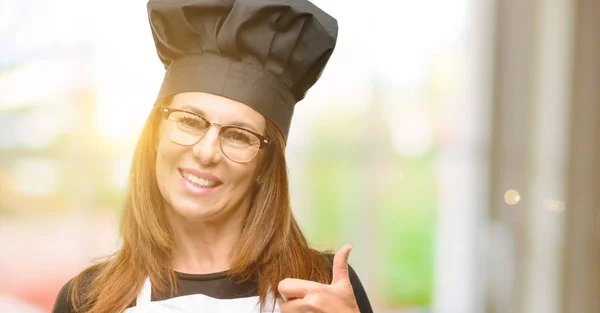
[197,303]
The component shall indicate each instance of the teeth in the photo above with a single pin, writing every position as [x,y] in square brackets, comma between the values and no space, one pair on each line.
[199,181]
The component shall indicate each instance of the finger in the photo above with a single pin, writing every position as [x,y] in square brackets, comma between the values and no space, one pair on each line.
[291,288]
[340,264]
[308,304]
[280,301]
[295,305]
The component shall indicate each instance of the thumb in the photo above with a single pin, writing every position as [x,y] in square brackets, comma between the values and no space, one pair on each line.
[340,264]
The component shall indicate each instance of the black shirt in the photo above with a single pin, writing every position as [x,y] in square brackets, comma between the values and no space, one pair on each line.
[216,293]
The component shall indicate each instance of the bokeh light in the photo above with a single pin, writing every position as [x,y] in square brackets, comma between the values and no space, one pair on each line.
[512,197]
[554,205]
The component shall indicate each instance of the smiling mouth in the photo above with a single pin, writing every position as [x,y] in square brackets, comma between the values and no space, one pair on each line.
[198,181]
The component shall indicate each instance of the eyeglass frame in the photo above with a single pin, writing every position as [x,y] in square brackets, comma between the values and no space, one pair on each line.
[263,141]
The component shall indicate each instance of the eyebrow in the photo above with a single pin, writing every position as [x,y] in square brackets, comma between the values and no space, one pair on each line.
[234,123]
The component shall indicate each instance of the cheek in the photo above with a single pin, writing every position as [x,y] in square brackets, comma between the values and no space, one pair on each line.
[245,177]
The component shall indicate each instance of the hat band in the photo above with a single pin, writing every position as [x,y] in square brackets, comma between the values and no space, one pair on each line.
[234,80]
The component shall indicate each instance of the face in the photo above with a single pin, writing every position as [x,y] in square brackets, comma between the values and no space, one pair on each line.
[198,181]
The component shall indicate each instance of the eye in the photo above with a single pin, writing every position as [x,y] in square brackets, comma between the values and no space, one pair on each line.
[191,122]
[239,136]
[188,122]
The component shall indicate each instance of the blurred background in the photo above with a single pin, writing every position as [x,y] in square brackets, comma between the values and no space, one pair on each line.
[455,144]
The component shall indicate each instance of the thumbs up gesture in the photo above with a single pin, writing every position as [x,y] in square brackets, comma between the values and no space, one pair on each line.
[309,296]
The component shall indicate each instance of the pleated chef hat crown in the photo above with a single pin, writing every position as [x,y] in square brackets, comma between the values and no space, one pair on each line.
[263,53]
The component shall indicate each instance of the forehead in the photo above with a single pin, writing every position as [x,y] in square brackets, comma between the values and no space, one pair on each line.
[219,109]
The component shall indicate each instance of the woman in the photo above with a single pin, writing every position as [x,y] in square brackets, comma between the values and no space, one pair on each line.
[207,224]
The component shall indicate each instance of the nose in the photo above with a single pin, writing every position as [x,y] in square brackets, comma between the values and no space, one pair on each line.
[208,149]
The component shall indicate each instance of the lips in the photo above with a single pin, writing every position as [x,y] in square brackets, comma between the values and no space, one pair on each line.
[200,179]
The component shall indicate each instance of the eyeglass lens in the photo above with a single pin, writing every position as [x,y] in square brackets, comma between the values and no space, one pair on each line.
[237,144]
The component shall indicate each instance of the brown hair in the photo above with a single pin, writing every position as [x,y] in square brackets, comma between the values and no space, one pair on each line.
[271,246]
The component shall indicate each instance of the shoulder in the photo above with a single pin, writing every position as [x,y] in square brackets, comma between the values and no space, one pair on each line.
[62,304]
[359,291]
[82,282]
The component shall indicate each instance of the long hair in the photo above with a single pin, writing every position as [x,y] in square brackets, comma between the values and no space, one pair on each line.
[271,247]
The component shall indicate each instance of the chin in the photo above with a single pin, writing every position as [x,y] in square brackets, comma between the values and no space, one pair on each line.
[191,211]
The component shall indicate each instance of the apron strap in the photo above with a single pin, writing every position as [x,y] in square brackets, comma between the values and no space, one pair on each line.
[145,295]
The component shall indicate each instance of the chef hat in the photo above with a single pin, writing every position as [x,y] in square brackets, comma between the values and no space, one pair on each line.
[263,53]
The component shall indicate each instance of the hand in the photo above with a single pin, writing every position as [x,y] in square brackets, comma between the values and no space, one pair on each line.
[303,296]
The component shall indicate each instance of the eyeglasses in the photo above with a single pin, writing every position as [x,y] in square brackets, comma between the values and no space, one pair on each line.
[237,144]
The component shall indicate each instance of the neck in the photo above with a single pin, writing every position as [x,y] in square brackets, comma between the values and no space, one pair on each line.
[205,247]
